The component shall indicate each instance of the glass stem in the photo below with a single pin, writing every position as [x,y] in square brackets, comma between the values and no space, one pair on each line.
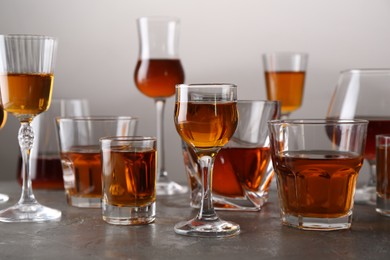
[207,211]
[26,139]
[161,172]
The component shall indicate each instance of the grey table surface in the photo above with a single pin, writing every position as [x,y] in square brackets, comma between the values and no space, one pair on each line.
[82,234]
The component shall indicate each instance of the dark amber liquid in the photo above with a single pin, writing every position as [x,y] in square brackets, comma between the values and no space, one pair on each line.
[86,168]
[158,77]
[26,94]
[383,171]
[287,87]
[206,124]
[236,169]
[375,127]
[317,183]
[47,173]
[130,178]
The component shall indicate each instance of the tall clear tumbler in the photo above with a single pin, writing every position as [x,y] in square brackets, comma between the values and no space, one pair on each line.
[157,72]
[26,81]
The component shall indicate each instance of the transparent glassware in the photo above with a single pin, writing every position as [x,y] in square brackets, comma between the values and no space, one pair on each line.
[26,81]
[206,118]
[157,72]
[285,74]
[364,94]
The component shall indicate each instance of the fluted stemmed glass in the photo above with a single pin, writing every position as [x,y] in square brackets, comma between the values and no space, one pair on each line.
[157,72]
[364,94]
[26,81]
[206,117]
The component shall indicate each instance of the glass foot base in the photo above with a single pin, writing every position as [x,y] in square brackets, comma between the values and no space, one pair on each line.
[170,188]
[200,228]
[3,198]
[33,212]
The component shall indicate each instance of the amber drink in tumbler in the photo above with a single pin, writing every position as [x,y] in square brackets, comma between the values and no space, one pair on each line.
[129,179]
[383,174]
[81,157]
[317,164]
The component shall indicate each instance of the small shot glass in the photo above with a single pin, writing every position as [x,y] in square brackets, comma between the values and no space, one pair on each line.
[383,174]
[129,166]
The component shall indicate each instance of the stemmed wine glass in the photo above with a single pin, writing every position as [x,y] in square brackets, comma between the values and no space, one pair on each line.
[285,79]
[3,119]
[157,72]
[206,117]
[26,80]
[364,94]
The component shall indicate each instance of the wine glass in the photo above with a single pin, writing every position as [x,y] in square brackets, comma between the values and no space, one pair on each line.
[206,117]
[284,78]
[3,119]
[26,80]
[157,72]
[364,94]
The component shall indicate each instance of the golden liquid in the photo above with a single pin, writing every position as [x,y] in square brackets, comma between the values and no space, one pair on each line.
[26,95]
[206,124]
[287,87]
[3,117]
[130,178]
[317,184]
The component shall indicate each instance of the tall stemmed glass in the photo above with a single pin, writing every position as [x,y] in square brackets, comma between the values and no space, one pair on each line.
[26,80]
[206,117]
[3,119]
[157,72]
[285,79]
[364,94]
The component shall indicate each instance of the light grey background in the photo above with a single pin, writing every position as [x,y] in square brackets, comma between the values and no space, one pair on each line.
[221,41]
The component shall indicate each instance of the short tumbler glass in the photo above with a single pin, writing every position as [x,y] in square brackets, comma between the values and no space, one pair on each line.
[129,179]
[317,164]
[383,174]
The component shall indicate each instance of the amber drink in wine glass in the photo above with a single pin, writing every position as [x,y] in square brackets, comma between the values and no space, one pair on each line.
[26,81]
[285,77]
[206,118]
[157,72]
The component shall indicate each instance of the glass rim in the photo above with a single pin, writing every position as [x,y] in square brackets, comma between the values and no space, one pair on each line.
[365,70]
[317,121]
[206,85]
[29,36]
[265,101]
[298,53]
[159,18]
[95,118]
[127,138]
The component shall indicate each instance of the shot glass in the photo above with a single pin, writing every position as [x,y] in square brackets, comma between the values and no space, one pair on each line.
[383,174]
[129,179]
[317,164]
[242,170]
[80,154]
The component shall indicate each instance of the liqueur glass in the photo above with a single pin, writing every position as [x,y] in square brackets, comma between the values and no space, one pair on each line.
[26,81]
[206,117]
[157,72]
[364,94]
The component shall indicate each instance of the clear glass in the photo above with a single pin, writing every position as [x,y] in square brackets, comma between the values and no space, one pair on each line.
[81,157]
[317,163]
[364,94]
[26,81]
[383,174]
[157,72]
[242,171]
[285,74]
[46,170]
[206,117]
[129,166]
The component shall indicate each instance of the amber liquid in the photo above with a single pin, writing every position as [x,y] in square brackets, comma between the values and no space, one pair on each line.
[47,173]
[85,167]
[375,127]
[26,94]
[287,87]
[3,117]
[317,183]
[383,171]
[205,124]
[130,178]
[239,169]
[158,77]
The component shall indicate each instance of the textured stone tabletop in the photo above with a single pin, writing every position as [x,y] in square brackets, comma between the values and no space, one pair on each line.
[82,234]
